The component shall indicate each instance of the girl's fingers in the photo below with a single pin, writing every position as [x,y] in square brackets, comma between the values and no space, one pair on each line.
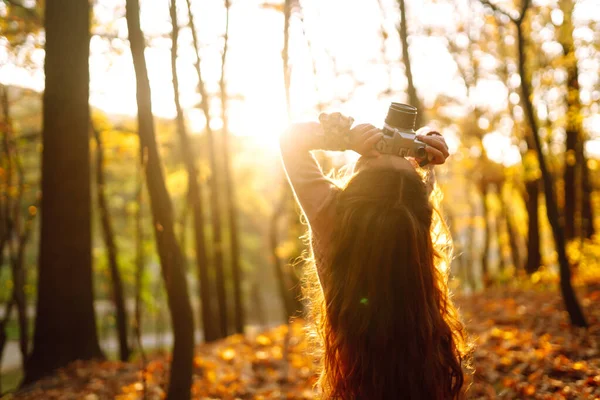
[423,131]
[359,129]
[367,134]
[436,142]
[435,155]
[368,147]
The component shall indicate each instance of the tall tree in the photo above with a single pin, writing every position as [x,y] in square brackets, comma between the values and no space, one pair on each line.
[171,257]
[108,235]
[286,200]
[230,200]
[569,298]
[531,195]
[575,161]
[65,263]
[209,325]
[215,204]
[413,99]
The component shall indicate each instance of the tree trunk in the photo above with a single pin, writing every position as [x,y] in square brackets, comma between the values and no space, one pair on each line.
[575,161]
[139,256]
[571,302]
[3,336]
[239,314]
[413,99]
[15,230]
[208,318]
[587,211]
[534,257]
[108,235]
[511,232]
[171,258]
[65,265]
[282,283]
[485,274]
[498,225]
[281,207]
[215,205]
[569,212]
[469,254]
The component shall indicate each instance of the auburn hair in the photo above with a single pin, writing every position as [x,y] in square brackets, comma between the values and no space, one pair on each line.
[380,310]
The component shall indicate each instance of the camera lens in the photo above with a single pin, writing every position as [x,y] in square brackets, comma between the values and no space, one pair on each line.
[401,116]
[420,152]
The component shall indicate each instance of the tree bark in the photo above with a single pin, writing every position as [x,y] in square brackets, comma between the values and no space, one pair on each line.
[230,199]
[108,235]
[171,258]
[65,265]
[208,318]
[215,205]
[413,99]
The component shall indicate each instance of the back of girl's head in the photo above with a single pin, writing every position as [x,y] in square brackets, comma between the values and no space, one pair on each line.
[388,327]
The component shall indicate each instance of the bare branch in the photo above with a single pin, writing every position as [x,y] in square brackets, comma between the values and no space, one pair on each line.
[524,8]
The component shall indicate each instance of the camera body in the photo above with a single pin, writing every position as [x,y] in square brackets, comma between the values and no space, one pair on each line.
[399,137]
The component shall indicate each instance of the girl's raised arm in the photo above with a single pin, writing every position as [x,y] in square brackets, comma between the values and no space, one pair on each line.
[312,189]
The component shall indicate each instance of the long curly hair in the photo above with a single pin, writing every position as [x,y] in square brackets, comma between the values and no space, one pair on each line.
[380,310]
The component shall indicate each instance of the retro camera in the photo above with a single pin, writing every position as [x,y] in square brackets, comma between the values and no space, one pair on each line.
[399,137]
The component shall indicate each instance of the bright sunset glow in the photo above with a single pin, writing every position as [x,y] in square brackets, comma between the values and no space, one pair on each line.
[254,74]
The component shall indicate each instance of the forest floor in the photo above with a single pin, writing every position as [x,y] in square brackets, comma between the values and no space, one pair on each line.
[524,348]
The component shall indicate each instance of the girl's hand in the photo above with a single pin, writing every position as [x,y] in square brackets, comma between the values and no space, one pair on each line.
[437,149]
[363,138]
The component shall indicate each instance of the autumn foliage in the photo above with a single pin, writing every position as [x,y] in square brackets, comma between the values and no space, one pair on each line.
[524,348]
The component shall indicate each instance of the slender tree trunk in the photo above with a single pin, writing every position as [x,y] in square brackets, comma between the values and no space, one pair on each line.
[498,226]
[65,245]
[16,232]
[534,256]
[413,99]
[569,213]
[571,302]
[485,274]
[171,258]
[282,283]
[108,235]
[575,161]
[140,258]
[510,230]
[239,314]
[587,211]
[3,336]
[532,182]
[208,318]
[280,209]
[215,204]
[470,254]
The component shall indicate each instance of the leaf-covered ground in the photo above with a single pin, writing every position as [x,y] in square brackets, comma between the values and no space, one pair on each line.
[525,348]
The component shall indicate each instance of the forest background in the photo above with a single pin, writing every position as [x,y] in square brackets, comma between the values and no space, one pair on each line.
[151,130]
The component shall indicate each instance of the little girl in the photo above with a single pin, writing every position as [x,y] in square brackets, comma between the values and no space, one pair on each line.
[380,304]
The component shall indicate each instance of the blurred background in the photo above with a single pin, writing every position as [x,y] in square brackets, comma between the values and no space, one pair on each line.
[513,86]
